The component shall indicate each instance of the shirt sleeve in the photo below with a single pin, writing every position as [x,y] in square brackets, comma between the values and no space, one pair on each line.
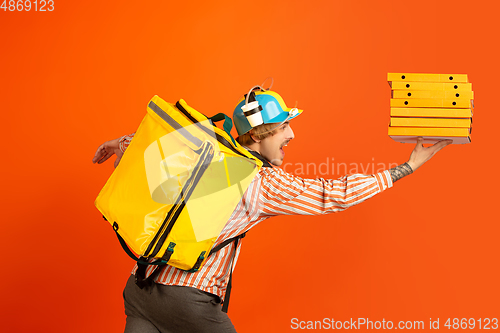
[124,141]
[285,194]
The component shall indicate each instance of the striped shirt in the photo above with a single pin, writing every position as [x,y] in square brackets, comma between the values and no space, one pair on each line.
[273,192]
[124,141]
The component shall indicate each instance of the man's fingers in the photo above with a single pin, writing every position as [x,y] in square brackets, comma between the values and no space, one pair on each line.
[102,156]
[106,150]
[118,158]
[99,153]
[420,142]
[440,145]
[105,158]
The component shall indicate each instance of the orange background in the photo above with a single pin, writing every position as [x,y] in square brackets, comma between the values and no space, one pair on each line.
[84,73]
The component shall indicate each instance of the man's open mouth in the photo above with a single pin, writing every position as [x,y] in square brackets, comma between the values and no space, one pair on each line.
[284,144]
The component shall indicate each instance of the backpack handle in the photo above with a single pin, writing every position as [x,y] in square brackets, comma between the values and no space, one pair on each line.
[133,257]
[227,126]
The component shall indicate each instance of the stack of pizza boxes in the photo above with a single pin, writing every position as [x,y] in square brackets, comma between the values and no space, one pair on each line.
[433,106]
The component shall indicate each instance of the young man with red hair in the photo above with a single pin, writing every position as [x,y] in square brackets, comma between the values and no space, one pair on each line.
[180,301]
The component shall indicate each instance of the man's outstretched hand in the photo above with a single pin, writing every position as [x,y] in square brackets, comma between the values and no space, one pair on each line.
[418,157]
[422,154]
[106,150]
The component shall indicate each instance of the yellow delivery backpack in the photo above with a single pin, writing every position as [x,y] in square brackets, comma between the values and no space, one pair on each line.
[176,186]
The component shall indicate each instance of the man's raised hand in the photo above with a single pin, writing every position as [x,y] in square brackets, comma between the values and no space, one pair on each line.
[421,154]
[106,150]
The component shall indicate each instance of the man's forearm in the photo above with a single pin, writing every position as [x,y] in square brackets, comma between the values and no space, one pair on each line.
[400,171]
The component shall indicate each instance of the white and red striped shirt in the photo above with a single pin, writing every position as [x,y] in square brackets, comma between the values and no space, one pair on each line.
[124,141]
[272,192]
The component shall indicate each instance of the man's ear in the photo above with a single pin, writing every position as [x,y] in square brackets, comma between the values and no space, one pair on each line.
[254,138]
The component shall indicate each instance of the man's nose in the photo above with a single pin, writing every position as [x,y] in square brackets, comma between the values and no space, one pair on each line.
[289,134]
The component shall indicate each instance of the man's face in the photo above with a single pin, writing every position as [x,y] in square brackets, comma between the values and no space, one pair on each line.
[272,147]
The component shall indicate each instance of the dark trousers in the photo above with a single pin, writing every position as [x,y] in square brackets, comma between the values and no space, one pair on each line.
[172,309]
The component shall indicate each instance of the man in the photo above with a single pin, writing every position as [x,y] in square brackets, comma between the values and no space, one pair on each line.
[179,301]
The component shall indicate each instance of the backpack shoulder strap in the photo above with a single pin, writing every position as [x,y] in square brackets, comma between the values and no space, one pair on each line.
[265,162]
[225,243]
